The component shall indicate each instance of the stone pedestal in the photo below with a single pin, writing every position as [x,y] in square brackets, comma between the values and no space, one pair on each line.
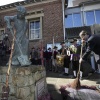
[22,81]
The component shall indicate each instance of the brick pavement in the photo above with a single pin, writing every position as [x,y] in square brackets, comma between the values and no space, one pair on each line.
[55,80]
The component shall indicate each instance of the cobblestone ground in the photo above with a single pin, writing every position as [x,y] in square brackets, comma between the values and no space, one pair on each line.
[55,80]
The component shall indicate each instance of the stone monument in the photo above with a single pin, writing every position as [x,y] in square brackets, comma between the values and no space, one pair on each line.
[25,83]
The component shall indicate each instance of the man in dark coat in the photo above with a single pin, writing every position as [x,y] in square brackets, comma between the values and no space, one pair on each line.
[92,44]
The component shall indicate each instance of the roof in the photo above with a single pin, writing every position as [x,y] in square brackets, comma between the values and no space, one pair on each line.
[89,2]
[74,32]
[11,5]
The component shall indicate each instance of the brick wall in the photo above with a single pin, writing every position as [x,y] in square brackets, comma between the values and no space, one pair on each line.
[52,22]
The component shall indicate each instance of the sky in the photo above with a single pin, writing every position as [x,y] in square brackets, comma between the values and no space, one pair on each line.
[4,2]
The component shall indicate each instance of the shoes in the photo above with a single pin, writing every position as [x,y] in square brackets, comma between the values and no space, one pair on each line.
[66,74]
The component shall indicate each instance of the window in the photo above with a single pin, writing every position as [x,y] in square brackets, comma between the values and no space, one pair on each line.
[73,20]
[34,29]
[1,34]
[90,20]
[77,20]
[68,21]
[97,15]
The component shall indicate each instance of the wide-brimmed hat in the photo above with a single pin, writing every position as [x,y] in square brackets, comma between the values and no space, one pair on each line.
[62,43]
[75,39]
[49,48]
[55,47]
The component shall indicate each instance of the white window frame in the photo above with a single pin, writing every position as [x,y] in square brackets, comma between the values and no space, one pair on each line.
[73,18]
[32,15]
[95,15]
[86,19]
[33,20]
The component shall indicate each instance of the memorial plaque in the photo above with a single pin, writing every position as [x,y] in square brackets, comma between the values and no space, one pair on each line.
[40,88]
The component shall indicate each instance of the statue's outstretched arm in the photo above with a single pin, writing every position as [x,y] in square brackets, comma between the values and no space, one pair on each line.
[8,20]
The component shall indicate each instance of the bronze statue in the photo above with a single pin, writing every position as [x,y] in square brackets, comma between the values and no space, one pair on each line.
[20,55]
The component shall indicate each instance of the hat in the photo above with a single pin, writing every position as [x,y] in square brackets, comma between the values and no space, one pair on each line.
[55,47]
[73,40]
[49,48]
[62,43]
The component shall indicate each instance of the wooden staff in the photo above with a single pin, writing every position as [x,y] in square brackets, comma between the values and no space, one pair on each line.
[5,89]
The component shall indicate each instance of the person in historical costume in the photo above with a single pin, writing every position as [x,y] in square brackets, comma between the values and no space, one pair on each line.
[75,49]
[21,53]
[39,56]
[45,55]
[49,59]
[32,55]
[66,52]
[55,52]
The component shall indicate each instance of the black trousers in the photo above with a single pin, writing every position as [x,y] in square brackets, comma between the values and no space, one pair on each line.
[66,62]
[75,65]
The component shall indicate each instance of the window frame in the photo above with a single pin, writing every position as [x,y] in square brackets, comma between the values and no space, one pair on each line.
[95,15]
[86,18]
[73,19]
[94,12]
[35,19]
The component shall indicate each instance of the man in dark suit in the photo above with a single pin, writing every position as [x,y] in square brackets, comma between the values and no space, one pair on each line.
[92,44]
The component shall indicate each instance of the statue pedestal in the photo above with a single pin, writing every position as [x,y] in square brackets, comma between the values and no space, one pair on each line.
[26,83]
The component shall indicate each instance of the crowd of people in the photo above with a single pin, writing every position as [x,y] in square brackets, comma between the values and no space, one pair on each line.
[71,58]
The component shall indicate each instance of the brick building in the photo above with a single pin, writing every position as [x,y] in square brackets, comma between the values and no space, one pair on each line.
[44,17]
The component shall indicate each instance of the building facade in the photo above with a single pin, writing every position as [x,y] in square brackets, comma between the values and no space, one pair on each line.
[44,19]
[81,15]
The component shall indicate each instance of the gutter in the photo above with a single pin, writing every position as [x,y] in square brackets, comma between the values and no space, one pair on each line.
[63,11]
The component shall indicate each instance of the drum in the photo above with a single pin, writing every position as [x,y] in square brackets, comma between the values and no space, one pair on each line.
[60,60]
